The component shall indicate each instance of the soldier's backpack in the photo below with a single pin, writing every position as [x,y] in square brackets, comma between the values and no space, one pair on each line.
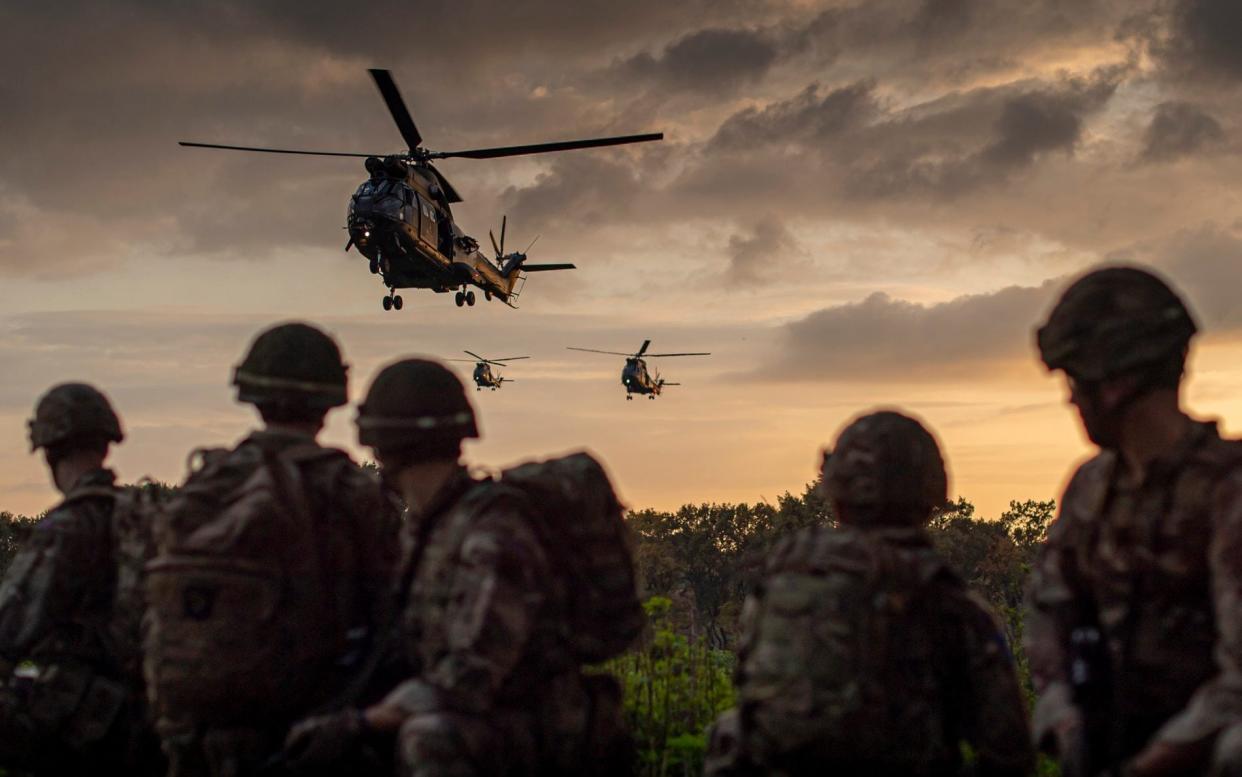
[841,660]
[582,526]
[239,609]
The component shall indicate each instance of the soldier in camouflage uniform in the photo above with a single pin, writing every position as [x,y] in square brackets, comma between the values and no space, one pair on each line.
[293,374]
[492,688]
[861,651]
[1134,629]
[59,609]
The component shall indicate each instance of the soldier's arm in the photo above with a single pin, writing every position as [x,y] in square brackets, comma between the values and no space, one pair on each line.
[1218,702]
[1053,601]
[379,548]
[40,586]
[995,723]
[497,593]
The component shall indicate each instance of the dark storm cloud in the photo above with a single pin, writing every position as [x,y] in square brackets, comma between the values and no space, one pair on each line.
[590,189]
[811,117]
[1203,39]
[711,60]
[1179,129]
[768,253]
[886,337]
[883,337]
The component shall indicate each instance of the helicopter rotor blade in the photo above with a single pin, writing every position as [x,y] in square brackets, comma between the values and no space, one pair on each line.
[494,246]
[504,222]
[544,148]
[593,350]
[643,350]
[272,150]
[450,193]
[475,355]
[655,355]
[509,359]
[532,243]
[396,106]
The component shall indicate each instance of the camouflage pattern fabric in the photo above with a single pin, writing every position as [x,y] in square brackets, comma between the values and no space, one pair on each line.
[57,611]
[355,547]
[494,688]
[862,653]
[1157,567]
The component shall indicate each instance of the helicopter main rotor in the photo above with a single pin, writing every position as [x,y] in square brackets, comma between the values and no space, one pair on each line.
[414,140]
[641,354]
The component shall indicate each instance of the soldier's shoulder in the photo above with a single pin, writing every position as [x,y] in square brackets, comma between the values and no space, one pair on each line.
[814,550]
[1221,453]
[1095,472]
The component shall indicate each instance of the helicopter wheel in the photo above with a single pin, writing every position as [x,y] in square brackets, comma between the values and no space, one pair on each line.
[487,295]
[460,299]
[397,302]
[375,267]
[470,298]
[387,303]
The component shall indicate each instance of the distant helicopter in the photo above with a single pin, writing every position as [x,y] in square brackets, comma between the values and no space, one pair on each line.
[634,376]
[400,220]
[484,375]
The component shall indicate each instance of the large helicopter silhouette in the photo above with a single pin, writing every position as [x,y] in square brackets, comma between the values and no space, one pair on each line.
[400,219]
[635,376]
[484,376]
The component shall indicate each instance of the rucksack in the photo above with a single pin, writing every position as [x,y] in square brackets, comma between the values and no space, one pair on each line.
[240,616]
[840,662]
[582,527]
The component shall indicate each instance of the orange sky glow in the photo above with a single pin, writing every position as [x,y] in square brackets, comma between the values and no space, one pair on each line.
[857,204]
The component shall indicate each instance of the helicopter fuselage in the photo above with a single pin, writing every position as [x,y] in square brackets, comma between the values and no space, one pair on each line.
[638,380]
[484,377]
[400,221]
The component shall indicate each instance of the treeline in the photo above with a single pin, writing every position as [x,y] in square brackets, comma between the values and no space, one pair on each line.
[696,566]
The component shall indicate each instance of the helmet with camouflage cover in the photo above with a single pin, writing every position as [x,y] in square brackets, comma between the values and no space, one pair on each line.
[292,363]
[416,406]
[888,467]
[1115,321]
[70,412]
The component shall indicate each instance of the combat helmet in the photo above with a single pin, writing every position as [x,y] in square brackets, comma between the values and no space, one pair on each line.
[292,363]
[888,468]
[1115,321]
[418,407]
[73,411]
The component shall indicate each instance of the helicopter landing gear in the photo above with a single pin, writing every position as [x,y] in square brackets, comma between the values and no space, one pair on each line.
[460,299]
[393,301]
[487,295]
[628,397]
[470,298]
[375,266]
[397,302]
[387,303]
[651,396]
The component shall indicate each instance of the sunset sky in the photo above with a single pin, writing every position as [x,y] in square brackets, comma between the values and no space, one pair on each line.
[856,204]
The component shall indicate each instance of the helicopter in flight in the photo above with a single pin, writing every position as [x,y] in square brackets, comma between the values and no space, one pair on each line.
[484,376]
[400,218]
[635,376]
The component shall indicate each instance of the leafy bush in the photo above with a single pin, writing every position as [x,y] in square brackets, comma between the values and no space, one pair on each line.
[674,688]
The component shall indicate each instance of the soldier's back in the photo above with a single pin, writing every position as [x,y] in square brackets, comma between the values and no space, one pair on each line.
[273,570]
[863,652]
